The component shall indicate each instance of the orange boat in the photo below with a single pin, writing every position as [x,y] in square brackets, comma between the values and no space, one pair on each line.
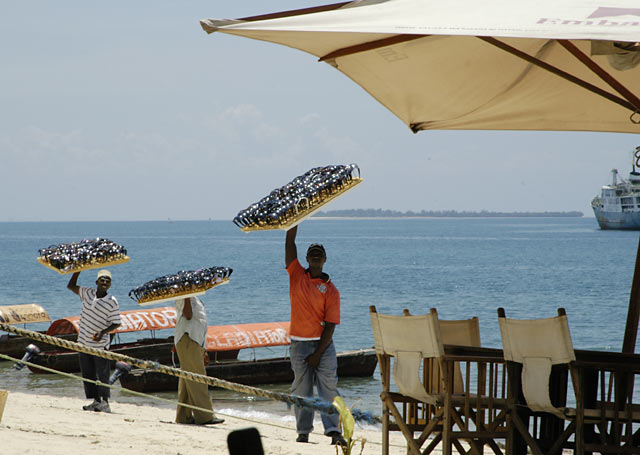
[140,320]
[223,343]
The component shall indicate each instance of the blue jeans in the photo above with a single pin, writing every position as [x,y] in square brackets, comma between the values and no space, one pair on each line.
[325,378]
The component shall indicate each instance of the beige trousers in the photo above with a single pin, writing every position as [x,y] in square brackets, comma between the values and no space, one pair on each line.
[191,356]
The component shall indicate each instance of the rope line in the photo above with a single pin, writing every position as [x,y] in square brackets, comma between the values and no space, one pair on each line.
[154,397]
[313,403]
[102,384]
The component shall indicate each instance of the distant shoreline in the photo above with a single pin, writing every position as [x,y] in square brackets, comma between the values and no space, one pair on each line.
[317,218]
[379,213]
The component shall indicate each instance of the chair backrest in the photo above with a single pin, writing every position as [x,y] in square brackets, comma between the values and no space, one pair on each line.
[409,339]
[537,344]
[461,332]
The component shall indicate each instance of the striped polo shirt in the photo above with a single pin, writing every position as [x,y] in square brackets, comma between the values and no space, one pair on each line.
[97,314]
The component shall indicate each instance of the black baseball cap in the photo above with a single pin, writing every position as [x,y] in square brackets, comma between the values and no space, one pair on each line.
[316,247]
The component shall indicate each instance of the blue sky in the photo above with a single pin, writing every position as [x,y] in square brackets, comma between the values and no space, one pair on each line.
[129,111]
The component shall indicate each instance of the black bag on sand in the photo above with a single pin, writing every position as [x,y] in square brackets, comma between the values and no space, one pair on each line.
[245,442]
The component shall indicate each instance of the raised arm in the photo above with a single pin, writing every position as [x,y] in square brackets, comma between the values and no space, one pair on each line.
[290,249]
[187,309]
[73,283]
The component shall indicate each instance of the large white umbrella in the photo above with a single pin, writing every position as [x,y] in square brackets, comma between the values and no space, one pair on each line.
[469,64]
[568,65]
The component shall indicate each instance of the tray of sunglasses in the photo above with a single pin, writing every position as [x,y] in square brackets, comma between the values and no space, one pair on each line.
[72,268]
[181,295]
[304,214]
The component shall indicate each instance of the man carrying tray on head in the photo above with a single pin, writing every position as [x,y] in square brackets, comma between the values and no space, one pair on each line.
[315,312]
[189,337]
[100,315]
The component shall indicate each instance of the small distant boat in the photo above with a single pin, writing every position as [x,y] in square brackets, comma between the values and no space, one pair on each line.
[618,205]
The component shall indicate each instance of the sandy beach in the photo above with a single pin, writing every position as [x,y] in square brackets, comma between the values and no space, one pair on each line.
[36,424]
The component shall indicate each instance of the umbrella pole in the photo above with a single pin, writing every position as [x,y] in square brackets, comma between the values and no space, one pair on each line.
[633,314]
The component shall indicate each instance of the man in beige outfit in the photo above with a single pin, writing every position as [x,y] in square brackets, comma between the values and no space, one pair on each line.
[189,338]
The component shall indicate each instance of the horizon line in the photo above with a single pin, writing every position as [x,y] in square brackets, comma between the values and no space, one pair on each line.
[333,217]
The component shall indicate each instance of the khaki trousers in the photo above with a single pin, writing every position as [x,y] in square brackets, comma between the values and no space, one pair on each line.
[191,356]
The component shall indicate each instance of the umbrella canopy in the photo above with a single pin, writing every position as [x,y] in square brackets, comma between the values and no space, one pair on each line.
[572,65]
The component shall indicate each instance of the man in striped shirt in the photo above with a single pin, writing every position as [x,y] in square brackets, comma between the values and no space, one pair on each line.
[100,315]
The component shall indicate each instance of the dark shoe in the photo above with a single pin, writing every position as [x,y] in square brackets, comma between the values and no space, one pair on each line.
[213,421]
[103,406]
[302,438]
[92,406]
[337,439]
[189,421]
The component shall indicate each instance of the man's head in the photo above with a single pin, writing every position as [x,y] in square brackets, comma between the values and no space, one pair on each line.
[104,279]
[316,256]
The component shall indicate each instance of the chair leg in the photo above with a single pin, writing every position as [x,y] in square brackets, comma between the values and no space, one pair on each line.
[447,423]
[433,444]
[385,430]
[408,435]
[524,431]
[459,447]
[563,437]
[436,420]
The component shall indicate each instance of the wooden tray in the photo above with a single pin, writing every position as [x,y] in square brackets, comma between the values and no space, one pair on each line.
[304,214]
[80,268]
[183,295]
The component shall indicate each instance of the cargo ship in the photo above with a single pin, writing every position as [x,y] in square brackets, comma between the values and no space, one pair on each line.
[618,205]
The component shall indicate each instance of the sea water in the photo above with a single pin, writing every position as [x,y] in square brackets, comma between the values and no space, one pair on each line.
[462,267]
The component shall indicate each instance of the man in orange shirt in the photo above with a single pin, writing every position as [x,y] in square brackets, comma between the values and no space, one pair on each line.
[315,312]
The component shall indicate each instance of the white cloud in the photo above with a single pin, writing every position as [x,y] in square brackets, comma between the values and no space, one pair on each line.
[309,119]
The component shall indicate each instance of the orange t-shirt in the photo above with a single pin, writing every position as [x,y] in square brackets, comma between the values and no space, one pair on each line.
[313,301]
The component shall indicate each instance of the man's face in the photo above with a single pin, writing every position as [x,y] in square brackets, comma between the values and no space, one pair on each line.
[103,283]
[316,258]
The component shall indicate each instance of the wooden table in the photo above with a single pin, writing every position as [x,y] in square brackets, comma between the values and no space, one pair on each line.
[606,401]
[604,406]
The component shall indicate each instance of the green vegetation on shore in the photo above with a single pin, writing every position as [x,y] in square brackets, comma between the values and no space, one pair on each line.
[380,213]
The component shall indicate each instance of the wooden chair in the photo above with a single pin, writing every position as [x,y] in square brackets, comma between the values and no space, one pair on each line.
[539,353]
[540,356]
[428,402]
[460,332]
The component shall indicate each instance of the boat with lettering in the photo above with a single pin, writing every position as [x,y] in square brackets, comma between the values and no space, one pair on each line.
[232,338]
[15,345]
[142,320]
[618,205]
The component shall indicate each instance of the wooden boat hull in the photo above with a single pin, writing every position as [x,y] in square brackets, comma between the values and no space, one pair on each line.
[14,346]
[360,363]
[154,349]
[158,350]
